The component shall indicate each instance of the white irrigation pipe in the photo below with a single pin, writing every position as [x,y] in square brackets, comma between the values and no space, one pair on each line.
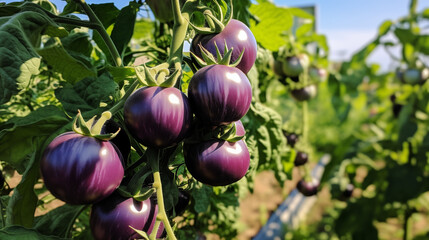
[293,210]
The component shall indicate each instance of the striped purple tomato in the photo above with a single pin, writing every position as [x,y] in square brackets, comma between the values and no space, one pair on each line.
[81,170]
[217,162]
[111,218]
[219,94]
[157,116]
[237,36]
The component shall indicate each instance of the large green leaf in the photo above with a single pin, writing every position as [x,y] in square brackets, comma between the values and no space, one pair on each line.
[20,136]
[22,204]
[106,12]
[57,222]
[21,233]
[87,95]
[273,21]
[71,69]
[20,34]
[124,27]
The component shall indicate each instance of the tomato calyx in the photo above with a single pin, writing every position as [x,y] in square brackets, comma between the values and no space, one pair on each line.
[157,76]
[208,58]
[92,128]
[213,14]
[203,133]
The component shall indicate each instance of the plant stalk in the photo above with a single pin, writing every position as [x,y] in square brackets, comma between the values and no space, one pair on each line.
[110,45]
[162,215]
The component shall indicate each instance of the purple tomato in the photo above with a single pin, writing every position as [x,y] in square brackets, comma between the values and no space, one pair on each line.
[157,116]
[111,218]
[301,158]
[308,188]
[220,94]
[237,36]
[295,65]
[81,170]
[305,93]
[239,129]
[217,162]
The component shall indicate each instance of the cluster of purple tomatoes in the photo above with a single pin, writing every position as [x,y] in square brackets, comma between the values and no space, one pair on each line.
[91,169]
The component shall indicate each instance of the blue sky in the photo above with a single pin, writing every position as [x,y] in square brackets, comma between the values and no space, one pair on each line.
[348,24]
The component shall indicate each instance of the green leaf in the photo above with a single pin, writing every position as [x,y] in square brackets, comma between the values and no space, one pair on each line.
[298,12]
[78,43]
[22,204]
[57,221]
[121,73]
[106,13]
[202,198]
[423,44]
[71,69]
[425,13]
[20,136]
[124,27]
[384,27]
[273,22]
[405,35]
[19,35]
[87,95]
[304,29]
[21,233]
[141,233]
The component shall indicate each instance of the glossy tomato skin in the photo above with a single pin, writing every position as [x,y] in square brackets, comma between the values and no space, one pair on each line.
[157,116]
[237,36]
[219,94]
[121,141]
[81,170]
[304,94]
[301,158]
[308,188]
[217,162]
[110,219]
[295,65]
[239,129]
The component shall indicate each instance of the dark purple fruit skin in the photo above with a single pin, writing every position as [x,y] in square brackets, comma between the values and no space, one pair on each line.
[110,219]
[81,170]
[219,94]
[121,140]
[292,138]
[304,94]
[217,162]
[295,65]
[308,188]
[237,36]
[348,191]
[182,203]
[157,116]
[301,158]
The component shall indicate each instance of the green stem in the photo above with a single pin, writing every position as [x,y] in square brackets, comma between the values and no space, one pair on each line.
[110,45]
[305,121]
[180,29]
[406,225]
[162,215]
[119,105]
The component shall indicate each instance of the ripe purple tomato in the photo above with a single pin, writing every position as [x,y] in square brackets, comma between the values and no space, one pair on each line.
[304,94]
[295,65]
[301,158]
[81,170]
[239,129]
[217,162]
[237,36]
[158,117]
[308,188]
[111,218]
[220,94]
